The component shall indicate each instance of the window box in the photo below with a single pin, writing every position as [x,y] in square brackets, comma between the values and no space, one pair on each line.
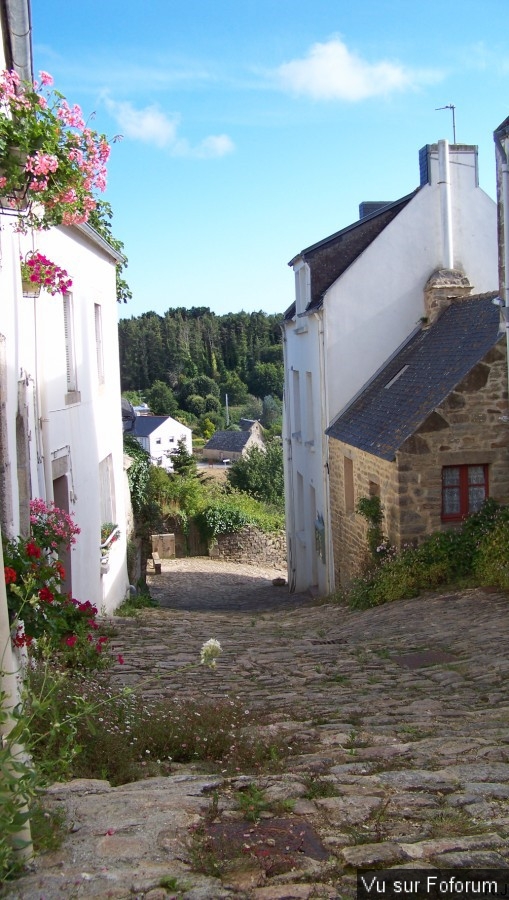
[110,533]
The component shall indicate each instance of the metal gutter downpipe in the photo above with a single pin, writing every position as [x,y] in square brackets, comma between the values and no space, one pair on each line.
[502,143]
[444,181]
[324,416]
[288,470]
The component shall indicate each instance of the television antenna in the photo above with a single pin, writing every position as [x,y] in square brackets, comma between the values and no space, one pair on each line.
[452,108]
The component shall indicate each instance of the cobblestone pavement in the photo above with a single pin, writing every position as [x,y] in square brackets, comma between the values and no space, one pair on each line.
[404,710]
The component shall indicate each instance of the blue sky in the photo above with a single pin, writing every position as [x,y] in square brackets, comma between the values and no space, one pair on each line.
[254,128]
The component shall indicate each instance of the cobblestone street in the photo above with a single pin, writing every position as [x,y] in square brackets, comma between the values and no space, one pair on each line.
[404,708]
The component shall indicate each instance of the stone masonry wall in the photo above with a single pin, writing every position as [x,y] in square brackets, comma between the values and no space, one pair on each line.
[349,529]
[252,547]
[469,428]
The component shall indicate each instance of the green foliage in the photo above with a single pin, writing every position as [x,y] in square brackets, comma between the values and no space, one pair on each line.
[492,558]
[272,412]
[161,399]
[478,551]
[187,345]
[221,517]
[207,428]
[183,462]
[138,473]
[260,473]
[371,509]
[267,378]
[140,600]
[123,737]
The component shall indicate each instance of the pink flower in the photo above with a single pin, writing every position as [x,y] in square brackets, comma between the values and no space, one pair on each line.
[46,78]
[120,659]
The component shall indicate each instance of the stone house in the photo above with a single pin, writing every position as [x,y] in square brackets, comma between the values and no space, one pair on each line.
[429,433]
[227,446]
[359,294]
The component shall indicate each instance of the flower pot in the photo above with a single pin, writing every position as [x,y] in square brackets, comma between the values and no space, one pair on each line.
[30,288]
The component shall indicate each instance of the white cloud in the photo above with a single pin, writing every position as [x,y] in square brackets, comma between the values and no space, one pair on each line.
[149,125]
[330,71]
[152,126]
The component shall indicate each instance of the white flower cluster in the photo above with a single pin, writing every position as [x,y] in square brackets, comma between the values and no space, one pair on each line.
[209,653]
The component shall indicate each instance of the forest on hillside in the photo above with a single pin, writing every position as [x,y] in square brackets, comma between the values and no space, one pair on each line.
[190,359]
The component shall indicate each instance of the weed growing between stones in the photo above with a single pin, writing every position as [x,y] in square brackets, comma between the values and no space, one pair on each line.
[138,601]
[126,738]
[319,787]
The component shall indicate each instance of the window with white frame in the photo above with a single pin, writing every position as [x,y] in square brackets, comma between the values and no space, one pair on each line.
[70,346]
[99,342]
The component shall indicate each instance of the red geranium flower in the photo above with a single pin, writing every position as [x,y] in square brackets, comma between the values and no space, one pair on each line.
[46,595]
[10,575]
[60,569]
[33,550]
[71,640]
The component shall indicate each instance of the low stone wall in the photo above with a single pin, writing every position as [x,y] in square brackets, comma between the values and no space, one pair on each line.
[252,547]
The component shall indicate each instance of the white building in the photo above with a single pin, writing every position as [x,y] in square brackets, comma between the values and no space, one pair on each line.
[60,407]
[159,436]
[358,295]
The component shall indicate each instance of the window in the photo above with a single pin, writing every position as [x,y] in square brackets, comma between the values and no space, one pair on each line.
[99,342]
[70,352]
[464,490]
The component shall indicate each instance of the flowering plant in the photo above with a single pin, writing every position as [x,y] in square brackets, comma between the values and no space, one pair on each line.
[38,269]
[107,530]
[44,618]
[50,160]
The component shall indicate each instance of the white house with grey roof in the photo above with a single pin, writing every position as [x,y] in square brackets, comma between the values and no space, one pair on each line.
[160,436]
[359,293]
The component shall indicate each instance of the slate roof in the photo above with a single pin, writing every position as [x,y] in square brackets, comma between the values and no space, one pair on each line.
[329,258]
[228,441]
[423,373]
[145,425]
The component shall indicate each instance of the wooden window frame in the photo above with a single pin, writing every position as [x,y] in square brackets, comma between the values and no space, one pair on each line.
[464,484]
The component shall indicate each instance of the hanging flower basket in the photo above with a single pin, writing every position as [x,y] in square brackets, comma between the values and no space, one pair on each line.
[38,271]
[30,289]
[50,161]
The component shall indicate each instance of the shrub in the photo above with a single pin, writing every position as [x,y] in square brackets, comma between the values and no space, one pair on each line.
[492,558]
[478,549]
